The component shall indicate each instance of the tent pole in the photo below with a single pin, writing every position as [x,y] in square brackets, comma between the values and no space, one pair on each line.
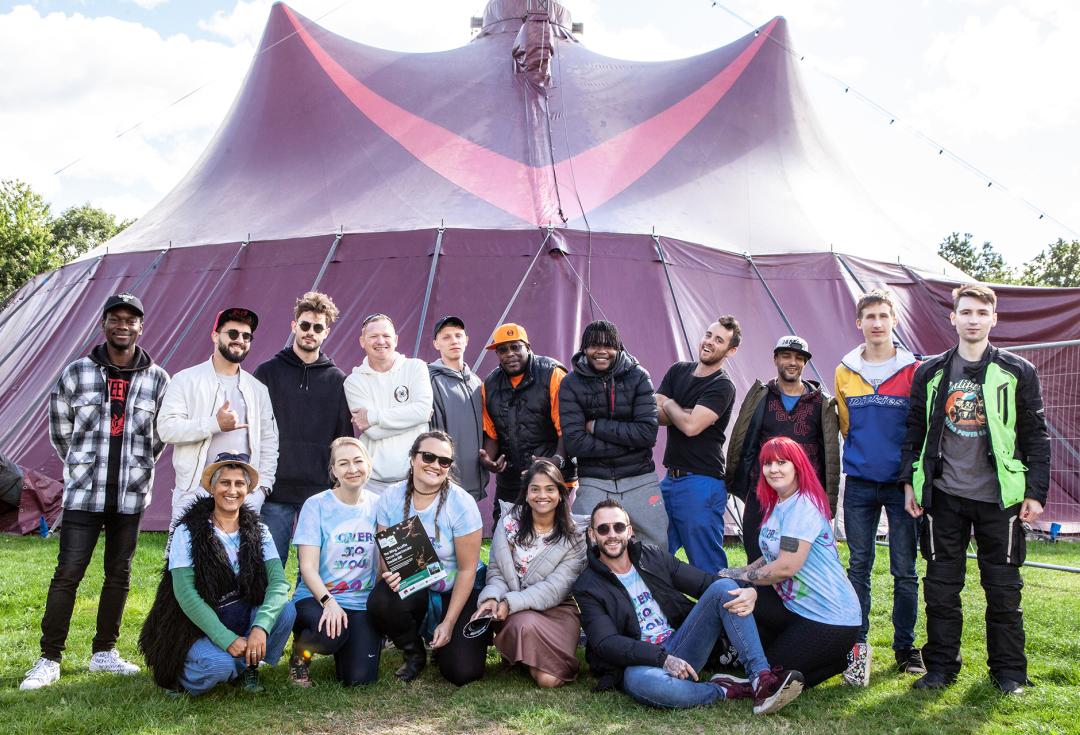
[427,290]
[322,271]
[897,331]
[513,298]
[779,309]
[671,287]
[83,345]
[191,322]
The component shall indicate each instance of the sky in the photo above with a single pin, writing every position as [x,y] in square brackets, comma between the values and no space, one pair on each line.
[112,102]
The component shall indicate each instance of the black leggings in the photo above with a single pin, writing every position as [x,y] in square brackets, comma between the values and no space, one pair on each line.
[461,660]
[356,650]
[817,650]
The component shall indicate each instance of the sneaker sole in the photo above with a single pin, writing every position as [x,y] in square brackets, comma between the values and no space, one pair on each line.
[785,696]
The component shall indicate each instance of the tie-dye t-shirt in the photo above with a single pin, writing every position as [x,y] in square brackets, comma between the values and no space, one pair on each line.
[345,537]
[819,591]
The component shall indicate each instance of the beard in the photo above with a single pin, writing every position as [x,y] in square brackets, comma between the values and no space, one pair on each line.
[223,350]
[622,550]
[299,344]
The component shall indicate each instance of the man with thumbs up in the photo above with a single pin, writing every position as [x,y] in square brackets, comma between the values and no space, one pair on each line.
[216,407]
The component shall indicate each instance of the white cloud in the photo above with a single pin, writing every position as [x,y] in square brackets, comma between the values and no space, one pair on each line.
[78,82]
[147,4]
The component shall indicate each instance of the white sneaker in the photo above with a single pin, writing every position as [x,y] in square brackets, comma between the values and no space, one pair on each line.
[857,673]
[42,674]
[111,662]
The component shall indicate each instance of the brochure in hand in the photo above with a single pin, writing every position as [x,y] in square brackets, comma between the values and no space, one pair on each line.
[407,550]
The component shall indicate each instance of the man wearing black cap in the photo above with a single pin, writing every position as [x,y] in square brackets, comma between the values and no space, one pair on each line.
[216,408]
[788,405]
[456,407]
[101,422]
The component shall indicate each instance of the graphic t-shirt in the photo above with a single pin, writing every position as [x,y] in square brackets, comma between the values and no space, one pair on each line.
[345,537]
[235,441]
[704,453]
[651,619]
[180,548]
[459,517]
[118,383]
[966,470]
[819,591]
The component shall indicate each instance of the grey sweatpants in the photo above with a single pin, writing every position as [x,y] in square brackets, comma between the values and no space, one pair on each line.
[639,495]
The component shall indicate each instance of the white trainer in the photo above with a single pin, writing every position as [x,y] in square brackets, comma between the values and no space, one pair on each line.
[111,662]
[43,673]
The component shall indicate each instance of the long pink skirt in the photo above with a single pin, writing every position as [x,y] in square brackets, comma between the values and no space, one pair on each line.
[545,640]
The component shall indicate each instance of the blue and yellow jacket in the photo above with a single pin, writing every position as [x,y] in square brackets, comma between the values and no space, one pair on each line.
[873,422]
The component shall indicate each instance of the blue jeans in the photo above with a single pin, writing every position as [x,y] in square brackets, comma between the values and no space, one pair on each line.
[693,642]
[206,665]
[696,505]
[863,501]
[280,518]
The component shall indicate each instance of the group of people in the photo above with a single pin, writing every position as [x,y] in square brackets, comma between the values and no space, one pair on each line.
[299,454]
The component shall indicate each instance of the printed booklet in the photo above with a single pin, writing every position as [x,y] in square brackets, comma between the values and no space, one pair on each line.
[407,550]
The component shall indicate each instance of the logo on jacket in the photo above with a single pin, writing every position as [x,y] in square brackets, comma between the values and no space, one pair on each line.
[401,393]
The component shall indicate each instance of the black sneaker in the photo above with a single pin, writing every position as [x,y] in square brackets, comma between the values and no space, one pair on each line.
[933,680]
[910,661]
[1010,687]
[249,680]
[775,689]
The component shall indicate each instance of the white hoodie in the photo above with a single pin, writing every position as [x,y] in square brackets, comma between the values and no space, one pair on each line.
[399,408]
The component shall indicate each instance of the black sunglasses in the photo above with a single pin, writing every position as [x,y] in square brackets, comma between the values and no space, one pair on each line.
[309,327]
[235,334]
[605,528]
[432,458]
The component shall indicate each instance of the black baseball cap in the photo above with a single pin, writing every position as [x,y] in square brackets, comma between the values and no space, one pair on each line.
[237,314]
[127,300]
[447,321]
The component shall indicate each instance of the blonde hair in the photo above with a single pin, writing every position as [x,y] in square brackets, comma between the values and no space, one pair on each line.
[318,303]
[347,441]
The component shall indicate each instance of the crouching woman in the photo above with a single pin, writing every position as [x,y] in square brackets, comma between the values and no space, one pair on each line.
[536,554]
[222,604]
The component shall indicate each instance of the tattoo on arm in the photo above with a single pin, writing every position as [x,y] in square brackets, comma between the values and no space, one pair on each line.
[743,573]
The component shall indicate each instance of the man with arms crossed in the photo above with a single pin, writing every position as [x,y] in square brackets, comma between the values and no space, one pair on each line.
[873,384]
[694,402]
[976,459]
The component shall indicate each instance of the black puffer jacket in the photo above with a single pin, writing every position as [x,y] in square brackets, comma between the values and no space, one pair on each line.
[622,404]
[608,617]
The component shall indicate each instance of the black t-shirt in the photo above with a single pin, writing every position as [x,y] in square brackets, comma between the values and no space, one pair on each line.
[118,382]
[704,453]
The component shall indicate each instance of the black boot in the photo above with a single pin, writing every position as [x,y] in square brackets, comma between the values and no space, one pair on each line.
[415,660]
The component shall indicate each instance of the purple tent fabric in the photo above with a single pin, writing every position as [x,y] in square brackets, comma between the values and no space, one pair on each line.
[338,162]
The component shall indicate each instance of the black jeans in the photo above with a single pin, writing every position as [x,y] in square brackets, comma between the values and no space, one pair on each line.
[816,650]
[461,660]
[751,527]
[999,535]
[356,650]
[78,536]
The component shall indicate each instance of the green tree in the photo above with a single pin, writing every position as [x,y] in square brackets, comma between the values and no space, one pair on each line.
[81,229]
[25,237]
[983,264]
[1058,265]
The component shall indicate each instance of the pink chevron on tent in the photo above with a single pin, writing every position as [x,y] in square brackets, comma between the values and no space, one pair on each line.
[520,177]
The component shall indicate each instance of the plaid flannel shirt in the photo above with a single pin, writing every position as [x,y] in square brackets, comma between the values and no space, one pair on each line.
[79,431]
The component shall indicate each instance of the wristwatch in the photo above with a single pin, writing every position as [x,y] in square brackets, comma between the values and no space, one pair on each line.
[324,599]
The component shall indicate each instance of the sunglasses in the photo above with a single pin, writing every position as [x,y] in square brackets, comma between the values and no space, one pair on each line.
[309,327]
[235,334]
[432,458]
[372,317]
[605,528]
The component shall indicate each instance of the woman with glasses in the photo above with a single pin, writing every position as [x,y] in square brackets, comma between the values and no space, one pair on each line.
[537,551]
[335,542]
[452,522]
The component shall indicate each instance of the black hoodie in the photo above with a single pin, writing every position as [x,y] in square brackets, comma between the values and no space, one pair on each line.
[621,403]
[309,404]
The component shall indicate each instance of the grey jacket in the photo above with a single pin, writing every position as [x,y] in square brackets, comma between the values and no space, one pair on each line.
[551,573]
[456,410]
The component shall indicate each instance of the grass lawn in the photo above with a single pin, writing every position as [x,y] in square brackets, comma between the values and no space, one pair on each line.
[507,702]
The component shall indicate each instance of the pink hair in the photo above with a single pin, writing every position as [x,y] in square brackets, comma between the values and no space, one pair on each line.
[806,479]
